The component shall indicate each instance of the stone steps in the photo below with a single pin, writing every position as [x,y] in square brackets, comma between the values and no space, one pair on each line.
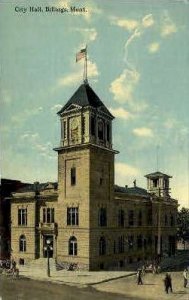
[41,264]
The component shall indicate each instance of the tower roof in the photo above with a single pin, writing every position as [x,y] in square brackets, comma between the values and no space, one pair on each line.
[156,175]
[85,96]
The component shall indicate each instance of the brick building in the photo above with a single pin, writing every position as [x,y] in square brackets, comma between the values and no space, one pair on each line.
[7,186]
[86,218]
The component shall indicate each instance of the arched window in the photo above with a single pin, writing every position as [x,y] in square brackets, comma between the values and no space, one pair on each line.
[22,243]
[121,218]
[102,246]
[72,246]
[102,218]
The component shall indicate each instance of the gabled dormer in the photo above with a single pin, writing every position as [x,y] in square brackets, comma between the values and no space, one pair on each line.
[85,119]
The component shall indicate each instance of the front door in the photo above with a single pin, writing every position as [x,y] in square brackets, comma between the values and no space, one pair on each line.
[48,243]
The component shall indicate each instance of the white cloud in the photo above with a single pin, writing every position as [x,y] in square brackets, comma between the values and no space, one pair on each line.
[123,86]
[168,27]
[25,114]
[91,8]
[5,97]
[34,141]
[153,47]
[121,113]
[89,34]
[56,107]
[126,170]
[77,76]
[148,21]
[143,132]
[125,173]
[128,24]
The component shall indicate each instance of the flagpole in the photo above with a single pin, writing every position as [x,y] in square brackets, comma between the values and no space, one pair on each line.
[85,67]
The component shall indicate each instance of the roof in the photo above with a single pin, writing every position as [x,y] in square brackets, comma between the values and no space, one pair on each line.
[157,174]
[131,191]
[85,96]
[38,187]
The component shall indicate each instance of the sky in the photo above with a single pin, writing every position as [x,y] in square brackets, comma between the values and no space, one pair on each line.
[138,64]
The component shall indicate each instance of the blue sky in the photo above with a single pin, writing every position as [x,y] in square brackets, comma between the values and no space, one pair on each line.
[138,54]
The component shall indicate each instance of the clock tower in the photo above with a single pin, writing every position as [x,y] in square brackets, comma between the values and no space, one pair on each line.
[85,176]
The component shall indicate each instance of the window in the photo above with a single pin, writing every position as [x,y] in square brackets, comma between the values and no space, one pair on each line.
[64,129]
[149,241]
[102,246]
[131,218]
[100,130]
[73,176]
[72,246]
[108,132]
[130,242]
[22,243]
[149,217]
[155,182]
[48,215]
[121,218]
[72,216]
[102,218]
[83,125]
[139,242]
[140,218]
[22,216]
[92,126]
[166,220]
[121,244]
[172,221]
[114,249]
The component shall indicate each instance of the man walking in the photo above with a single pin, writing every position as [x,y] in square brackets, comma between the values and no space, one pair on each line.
[168,283]
[139,277]
[185,276]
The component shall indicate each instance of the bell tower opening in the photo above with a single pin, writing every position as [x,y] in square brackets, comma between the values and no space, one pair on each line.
[158,184]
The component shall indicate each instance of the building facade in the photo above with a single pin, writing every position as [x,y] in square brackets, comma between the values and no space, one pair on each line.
[87,219]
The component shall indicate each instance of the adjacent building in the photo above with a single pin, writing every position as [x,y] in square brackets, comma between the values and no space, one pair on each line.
[86,218]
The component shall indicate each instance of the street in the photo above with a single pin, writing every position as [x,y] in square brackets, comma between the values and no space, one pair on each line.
[152,288]
[119,289]
[27,289]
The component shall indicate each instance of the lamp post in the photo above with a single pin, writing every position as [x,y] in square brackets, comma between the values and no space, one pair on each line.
[48,248]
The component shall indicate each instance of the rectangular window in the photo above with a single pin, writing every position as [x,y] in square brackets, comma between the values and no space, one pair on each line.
[22,216]
[73,176]
[64,129]
[92,126]
[83,125]
[102,217]
[130,242]
[121,244]
[72,216]
[108,132]
[131,218]
[48,215]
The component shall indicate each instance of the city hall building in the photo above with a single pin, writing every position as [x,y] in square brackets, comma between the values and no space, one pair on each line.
[86,218]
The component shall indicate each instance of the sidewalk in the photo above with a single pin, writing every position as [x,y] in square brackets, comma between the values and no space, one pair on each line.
[76,278]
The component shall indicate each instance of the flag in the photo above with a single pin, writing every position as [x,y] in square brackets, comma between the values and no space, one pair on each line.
[81,54]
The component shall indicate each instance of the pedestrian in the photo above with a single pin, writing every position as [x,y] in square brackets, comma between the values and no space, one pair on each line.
[185,276]
[139,277]
[168,283]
